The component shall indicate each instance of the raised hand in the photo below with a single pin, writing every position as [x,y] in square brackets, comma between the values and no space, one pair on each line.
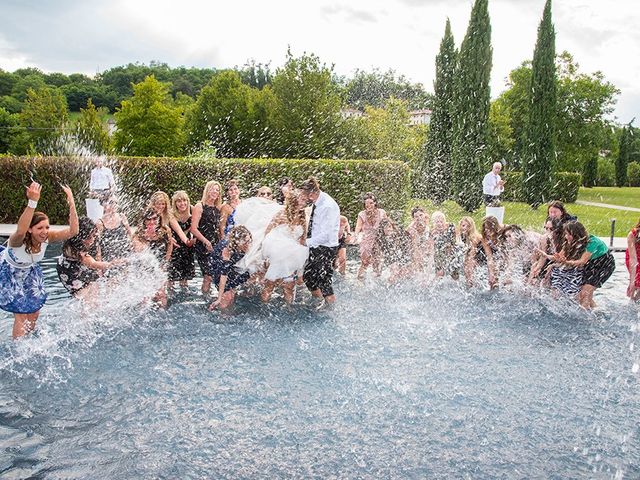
[68,193]
[33,191]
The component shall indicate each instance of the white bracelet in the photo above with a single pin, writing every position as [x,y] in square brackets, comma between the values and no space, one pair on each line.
[32,204]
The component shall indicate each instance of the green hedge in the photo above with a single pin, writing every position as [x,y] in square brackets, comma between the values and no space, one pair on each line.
[565,189]
[138,178]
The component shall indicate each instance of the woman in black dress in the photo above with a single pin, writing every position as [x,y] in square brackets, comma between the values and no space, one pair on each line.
[182,266]
[205,220]
[114,233]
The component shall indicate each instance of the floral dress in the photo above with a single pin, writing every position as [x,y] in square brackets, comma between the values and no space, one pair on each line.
[21,280]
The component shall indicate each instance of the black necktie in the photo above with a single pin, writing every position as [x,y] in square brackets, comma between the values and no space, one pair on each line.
[313,209]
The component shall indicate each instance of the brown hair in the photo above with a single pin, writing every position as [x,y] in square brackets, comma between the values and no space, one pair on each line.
[36,219]
[310,185]
[370,196]
[238,235]
[229,184]
[573,250]
[490,226]
[162,230]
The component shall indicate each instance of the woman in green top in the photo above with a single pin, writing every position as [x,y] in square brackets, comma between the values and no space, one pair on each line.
[597,262]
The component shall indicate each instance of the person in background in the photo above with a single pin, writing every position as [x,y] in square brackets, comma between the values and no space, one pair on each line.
[418,232]
[285,185]
[344,238]
[228,209]
[631,259]
[493,185]
[21,279]
[265,192]
[182,267]
[226,254]
[102,183]
[114,233]
[205,221]
[556,209]
[322,240]
[366,233]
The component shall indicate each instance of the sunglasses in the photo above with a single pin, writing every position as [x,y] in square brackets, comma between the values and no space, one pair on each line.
[264,194]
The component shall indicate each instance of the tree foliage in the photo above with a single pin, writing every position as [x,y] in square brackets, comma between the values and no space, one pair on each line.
[471,109]
[89,130]
[149,123]
[375,88]
[434,169]
[622,160]
[538,164]
[590,173]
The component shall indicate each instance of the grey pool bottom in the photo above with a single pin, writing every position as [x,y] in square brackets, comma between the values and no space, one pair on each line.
[392,383]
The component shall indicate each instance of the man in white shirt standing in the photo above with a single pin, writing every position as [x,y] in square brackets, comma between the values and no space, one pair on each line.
[322,240]
[493,185]
[102,181]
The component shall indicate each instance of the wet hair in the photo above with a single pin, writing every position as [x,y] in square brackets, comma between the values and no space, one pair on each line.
[472,236]
[237,235]
[161,230]
[36,219]
[179,195]
[516,231]
[166,216]
[205,192]
[310,185]
[557,234]
[490,226]
[75,245]
[281,183]
[295,215]
[415,210]
[577,246]
[565,217]
[370,196]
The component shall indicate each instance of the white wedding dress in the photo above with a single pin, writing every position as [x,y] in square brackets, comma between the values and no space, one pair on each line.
[282,250]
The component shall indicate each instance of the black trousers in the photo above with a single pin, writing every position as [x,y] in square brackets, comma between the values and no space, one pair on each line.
[318,271]
[489,200]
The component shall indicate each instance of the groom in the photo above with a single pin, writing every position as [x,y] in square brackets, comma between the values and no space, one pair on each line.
[322,240]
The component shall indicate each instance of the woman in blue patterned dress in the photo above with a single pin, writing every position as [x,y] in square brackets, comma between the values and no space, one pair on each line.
[21,279]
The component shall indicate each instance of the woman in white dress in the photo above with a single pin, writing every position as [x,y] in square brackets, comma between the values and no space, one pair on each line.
[283,248]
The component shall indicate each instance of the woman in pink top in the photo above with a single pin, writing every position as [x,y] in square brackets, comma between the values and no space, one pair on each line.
[368,224]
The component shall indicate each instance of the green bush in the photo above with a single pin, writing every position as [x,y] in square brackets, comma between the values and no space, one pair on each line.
[606,173]
[565,188]
[633,173]
[138,178]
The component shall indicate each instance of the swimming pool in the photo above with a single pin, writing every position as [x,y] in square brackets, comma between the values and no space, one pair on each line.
[407,382]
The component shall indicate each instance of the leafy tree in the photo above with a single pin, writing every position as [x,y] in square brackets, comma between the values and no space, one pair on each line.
[306,112]
[228,117]
[8,122]
[56,79]
[41,121]
[590,173]
[149,124]
[7,81]
[471,109]
[256,75]
[11,104]
[622,161]
[434,169]
[500,146]
[375,88]
[89,130]
[24,83]
[537,168]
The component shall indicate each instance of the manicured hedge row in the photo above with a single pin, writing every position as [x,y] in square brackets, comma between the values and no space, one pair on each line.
[138,178]
[567,185]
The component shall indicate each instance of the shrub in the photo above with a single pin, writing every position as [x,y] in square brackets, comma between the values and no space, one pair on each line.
[633,173]
[590,172]
[565,187]
[606,173]
[138,178]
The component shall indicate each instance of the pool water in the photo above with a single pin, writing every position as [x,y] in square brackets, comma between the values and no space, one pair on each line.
[406,382]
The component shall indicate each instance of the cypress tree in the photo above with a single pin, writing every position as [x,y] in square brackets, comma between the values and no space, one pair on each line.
[590,173]
[537,166]
[622,162]
[471,109]
[436,159]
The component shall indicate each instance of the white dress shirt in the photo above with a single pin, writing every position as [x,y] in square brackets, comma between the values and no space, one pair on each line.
[101,179]
[326,222]
[490,185]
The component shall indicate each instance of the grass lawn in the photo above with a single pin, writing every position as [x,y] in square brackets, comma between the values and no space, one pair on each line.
[625,196]
[596,220]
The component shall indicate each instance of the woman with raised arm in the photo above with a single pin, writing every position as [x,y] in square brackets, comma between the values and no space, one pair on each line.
[21,279]
[205,218]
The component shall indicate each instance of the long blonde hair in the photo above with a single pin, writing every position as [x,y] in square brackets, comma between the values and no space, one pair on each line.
[292,211]
[166,216]
[179,195]
[472,236]
[205,192]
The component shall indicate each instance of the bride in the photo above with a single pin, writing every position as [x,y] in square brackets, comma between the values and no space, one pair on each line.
[284,248]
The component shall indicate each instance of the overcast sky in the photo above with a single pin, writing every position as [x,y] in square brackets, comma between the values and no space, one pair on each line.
[90,36]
